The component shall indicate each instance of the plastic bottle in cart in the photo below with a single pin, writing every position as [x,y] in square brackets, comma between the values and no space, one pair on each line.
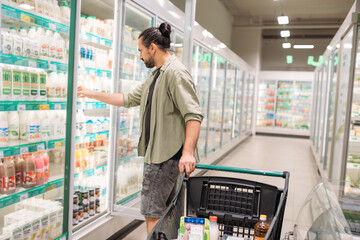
[27,44]
[261,228]
[4,129]
[40,169]
[23,125]
[214,228]
[13,125]
[18,42]
[36,45]
[9,179]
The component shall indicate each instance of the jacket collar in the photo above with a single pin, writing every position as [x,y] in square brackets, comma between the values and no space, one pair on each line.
[170,59]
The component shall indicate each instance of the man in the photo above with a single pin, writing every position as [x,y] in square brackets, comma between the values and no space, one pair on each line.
[170,118]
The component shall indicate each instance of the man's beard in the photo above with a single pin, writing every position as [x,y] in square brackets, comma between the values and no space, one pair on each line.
[150,63]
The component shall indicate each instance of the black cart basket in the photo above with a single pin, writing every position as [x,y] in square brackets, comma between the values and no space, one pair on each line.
[237,203]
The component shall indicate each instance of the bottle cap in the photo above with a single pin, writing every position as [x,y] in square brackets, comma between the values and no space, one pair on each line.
[213,218]
[263,217]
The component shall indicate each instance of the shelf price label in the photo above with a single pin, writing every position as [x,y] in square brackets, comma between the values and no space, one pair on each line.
[52,26]
[44,107]
[26,18]
[52,67]
[58,144]
[24,150]
[57,106]
[1,154]
[40,147]
[32,64]
[24,196]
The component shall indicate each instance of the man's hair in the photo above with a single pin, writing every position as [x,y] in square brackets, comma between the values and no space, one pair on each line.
[159,36]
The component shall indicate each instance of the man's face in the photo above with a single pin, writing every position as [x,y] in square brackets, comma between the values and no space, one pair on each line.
[146,55]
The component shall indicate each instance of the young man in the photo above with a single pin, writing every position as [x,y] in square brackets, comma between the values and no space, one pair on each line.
[170,118]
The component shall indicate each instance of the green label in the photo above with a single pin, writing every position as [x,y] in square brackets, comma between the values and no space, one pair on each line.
[34,84]
[16,87]
[6,82]
[42,85]
[26,83]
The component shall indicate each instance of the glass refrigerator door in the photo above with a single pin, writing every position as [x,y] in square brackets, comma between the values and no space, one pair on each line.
[229,104]
[266,104]
[302,105]
[245,100]
[314,112]
[92,118]
[284,116]
[179,42]
[202,78]
[250,103]
[33,66]
[129,167]
[216,102]
[239,100]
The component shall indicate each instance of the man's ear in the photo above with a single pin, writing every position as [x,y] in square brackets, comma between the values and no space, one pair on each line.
[153,47]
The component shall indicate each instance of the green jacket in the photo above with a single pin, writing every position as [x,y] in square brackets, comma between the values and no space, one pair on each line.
[174,103]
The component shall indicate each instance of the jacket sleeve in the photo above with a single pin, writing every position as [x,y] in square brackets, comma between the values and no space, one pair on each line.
[133,98]
[183,93]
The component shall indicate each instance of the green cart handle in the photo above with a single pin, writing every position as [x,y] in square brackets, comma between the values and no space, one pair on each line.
[243,170]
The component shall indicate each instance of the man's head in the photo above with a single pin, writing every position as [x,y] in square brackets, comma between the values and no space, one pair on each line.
[154,41]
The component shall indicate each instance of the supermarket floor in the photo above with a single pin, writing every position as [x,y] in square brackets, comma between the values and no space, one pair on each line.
[276,154]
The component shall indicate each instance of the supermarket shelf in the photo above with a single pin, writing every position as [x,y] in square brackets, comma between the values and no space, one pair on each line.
[275,130]
[29,193]
[130,50]
[31,105]
[91,137]
[355,139]
[91,172]
[62,237]
[125,159]
[129,197]
[48,64]
[18,147]
[98,72]
[96,41]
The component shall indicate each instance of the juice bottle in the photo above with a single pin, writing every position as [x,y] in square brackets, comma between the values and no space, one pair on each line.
[40,169]
[45,157]
[2,175]
[78,158]
[85,156]
[19,161]
[25,81]
[29,171]
[261,228]
[4,130]
[9,180]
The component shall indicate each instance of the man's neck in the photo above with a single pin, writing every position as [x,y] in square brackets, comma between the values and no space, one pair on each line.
[161,59]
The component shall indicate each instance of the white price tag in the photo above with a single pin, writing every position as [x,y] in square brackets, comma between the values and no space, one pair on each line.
[24,196]
[24,150]
[102,41]
[52,67]
[21,107]
[40,147]
[57,106]
[32,64]
[52,26]
[1,154]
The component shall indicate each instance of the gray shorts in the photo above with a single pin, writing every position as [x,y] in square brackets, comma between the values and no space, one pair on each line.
[158,188]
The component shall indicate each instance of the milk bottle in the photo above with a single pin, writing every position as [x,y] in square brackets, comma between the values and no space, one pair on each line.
[6,82]
[13,123]
[23,125]
[60,46]
[34,86]
[52,43]
[33,127]
[36,46]
[7,42]
[42,86]
[42,38]
[55,125]
[25,82]
[44,126]
[18,42]
[16,84]
[27,46]
[29,171]
[51,86]
[4,130]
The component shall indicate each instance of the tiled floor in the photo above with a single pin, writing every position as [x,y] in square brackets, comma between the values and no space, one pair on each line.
[275,154]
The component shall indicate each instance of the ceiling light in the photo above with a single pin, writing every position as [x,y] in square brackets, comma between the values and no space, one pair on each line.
[289,59]
[174,14]
[283,20]
[222,45]
[338,45]
[286,45]
[348,45]
[303,46]
[329,47]
[285,33]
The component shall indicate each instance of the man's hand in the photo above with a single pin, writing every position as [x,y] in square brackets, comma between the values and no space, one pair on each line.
[188,162]
[84,92]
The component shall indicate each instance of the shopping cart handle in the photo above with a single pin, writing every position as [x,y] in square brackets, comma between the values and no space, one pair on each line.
[242,170]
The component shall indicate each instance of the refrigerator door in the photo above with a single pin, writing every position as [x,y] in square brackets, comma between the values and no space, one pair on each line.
[302,105]
[284,114]
[245,94]
[266,104]
[229,104]
[250,105]
[34,65]
[128,166]
[239,101]
[179,45]
[216,104]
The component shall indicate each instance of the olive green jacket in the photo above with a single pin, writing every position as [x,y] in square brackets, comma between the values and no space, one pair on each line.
[174,103]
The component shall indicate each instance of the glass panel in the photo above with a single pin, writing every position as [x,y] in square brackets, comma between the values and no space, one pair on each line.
[284,104]
[202,78]
[302,105]
[33,67]
[129,167]
[217,90]
[229,104]
[239,79]
[352,188]
[266,104]
[179,42]
[250,103]
[319,109]
[245,102]
[314,108]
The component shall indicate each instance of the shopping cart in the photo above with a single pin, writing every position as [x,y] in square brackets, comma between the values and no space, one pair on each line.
[237,203]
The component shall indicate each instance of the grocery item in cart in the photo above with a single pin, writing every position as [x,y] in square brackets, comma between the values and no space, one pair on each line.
[199,228]
[261,228]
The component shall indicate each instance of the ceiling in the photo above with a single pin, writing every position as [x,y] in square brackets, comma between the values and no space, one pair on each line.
[310,22]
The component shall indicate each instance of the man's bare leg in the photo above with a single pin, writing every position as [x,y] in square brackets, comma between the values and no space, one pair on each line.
[150,223]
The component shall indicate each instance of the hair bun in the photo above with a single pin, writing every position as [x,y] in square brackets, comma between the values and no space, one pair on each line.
[165,29]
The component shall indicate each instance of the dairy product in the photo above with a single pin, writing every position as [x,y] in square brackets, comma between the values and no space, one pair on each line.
[9,179]
[29,171]
[52,44]
[25,82]
[27,44]
[13,125]
[45,132]
[40,169]
[42,38]
[16,84]
[60,46]
[35,43]
[33,127]
[34,86]
[42,86]
[6,83]
[4,130]
[7,42]
[23,125]
[18,42]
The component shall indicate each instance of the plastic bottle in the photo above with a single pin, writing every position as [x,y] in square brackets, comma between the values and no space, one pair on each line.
[13,125]
[29,171]
[45,158]
[40,170]
[42,86]
[34,85]
[55,130]
[62,117]
[27,44]
[19,161]
[85,156]
[52,43]
[214,228]
[18,42]
[4,130]
[7,42]
[2,175]
[42,38]
[60,46]
[23,125]
[261,228]
[44,126]
[35,43]
[33,127]
[51,86]
[78,158]
[16,84]
[9,179]
[6,83]
[25,85]
[56,9]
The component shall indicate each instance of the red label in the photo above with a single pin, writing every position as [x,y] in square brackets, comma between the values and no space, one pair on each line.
[19,177]
[29,178]
[9,183]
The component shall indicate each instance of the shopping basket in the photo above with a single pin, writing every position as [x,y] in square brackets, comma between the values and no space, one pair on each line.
[237,203]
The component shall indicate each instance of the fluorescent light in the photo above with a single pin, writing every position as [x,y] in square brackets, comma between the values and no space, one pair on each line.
[285,33]
[161,2]
[286,45]
[208,34]
[283,20]
[216,48]
[174,14]
[222,45]
[338,45]
[26,6]
[348,45]
[289,59]
[196,23]
[178,45]
[303,46]
[329,47]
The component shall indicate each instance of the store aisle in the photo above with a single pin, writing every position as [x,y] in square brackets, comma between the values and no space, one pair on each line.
[275,154]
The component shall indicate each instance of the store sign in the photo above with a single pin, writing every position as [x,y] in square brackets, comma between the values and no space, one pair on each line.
[314,63]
